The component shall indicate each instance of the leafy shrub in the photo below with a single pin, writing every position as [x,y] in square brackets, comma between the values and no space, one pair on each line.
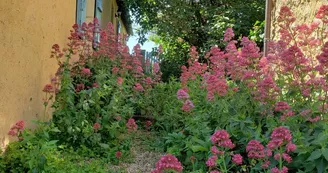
[96,94]
[250,97]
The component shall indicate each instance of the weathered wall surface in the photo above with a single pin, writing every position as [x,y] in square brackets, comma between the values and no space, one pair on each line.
[304,11]
[28,29]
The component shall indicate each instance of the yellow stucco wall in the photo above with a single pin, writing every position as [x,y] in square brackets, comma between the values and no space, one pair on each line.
[28,29]
[304,11]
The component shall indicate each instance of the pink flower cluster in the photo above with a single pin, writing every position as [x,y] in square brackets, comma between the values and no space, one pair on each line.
[187,106]
[182,94]
[280,140]
[280,137]
[211,162]
[96,126]
[276,170]
[86,72]
[222,139]
[17,129]
[138,87]
[256,150]
[237,159]
[131,125]
[168,163]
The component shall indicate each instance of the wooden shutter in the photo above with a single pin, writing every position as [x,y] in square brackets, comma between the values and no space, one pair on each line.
[81,11]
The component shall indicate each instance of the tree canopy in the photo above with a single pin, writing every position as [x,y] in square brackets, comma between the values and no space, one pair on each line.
[179,24]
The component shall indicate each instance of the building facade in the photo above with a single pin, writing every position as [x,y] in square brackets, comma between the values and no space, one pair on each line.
[28,29]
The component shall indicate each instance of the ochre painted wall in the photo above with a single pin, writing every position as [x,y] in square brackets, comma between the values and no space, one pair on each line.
[304,11]
[28,29]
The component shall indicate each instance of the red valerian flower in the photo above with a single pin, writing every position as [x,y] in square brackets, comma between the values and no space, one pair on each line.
[48,88]
[168,163]
[131,125]
[211,162]
[237,159]
[228,34]
[96,126]
[222,139]
[138,87]
[182,94]
[187,106]
[86,72]
[118,154]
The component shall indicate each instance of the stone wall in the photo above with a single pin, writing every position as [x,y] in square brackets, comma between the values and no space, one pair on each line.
[304,11]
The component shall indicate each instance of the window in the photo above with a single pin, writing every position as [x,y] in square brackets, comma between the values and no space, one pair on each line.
[81,11]
[118,29]
[98,12]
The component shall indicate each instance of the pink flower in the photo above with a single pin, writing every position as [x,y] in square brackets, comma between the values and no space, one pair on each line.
[237,159]
[276,170]
[79,87]
[20,125]
[118,118]
[222,139]
[249,49]
[156,68]
[211,162]
[131,125]
[290,147]
[323,13]
[255,150]
[187,106]
[315,119]
[323,57]
[115,70]
[118,154]
[96,126]
[214,150]
[215,171]
[287,157]
[95,85]
[138,87]
[119,81]
[281,106]
[12,132]
[216,86]
[148,124]
[48,88]
[280,136]
[86,72]
[182,94]
[228,34]
[167,163]
[277,156]
[266,164]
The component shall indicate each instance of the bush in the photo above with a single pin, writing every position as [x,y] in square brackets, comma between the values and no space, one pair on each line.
[251,97]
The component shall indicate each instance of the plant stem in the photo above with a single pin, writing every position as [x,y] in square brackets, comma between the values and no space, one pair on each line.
[280,161]
[224,164]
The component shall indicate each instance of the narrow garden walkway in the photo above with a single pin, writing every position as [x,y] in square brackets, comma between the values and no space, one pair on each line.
[143,159]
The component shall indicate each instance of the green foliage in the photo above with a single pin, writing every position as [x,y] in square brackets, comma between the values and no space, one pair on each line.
[180,24]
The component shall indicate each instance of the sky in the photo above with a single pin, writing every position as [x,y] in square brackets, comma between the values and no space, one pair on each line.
[133,40]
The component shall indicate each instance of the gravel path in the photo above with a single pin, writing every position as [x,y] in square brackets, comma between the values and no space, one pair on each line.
[144,160]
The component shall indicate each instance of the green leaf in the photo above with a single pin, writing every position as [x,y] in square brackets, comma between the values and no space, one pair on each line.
[105,146]
[314,155]
[55,130]
[198,148]
[325,153]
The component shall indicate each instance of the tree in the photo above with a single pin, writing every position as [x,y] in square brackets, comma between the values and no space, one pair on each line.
[179,24]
